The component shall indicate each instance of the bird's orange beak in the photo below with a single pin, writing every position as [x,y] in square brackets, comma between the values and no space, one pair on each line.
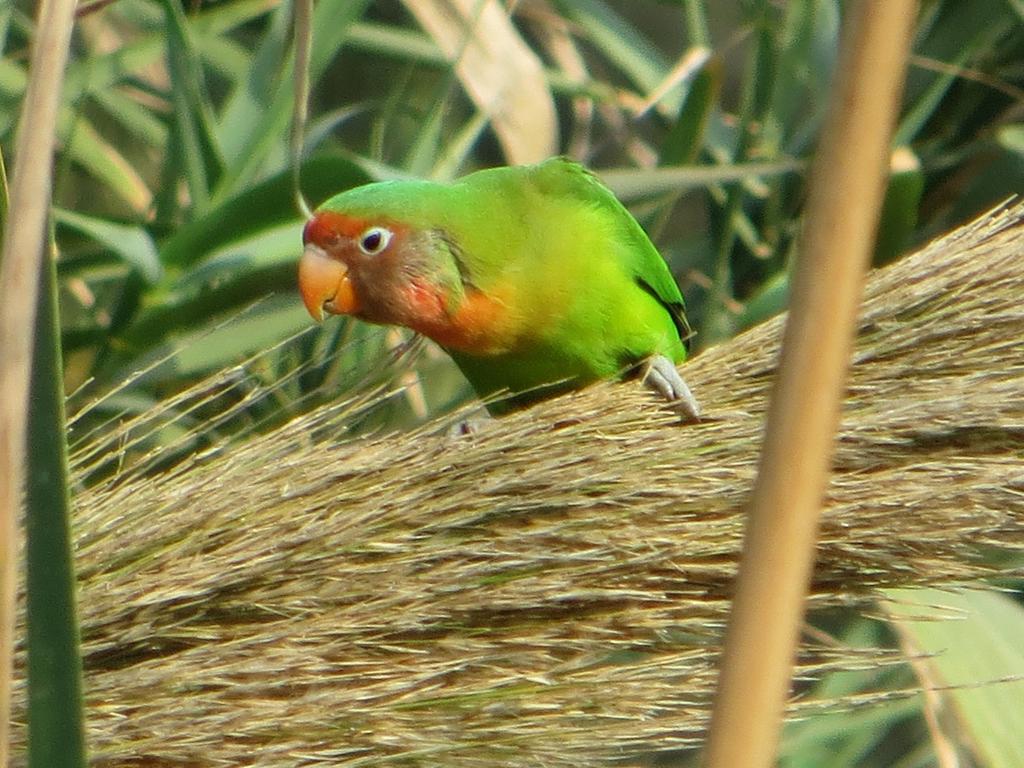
[325,284]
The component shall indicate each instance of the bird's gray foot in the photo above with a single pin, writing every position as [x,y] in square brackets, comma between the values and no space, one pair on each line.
[660,374]
[467,427]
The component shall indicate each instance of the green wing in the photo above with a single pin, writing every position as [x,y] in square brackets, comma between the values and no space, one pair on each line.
[562,176]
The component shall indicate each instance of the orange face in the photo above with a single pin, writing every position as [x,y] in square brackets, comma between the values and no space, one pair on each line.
[378,270]
[385,272]
[333,243]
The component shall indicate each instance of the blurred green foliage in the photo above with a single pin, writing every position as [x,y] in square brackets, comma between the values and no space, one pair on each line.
[178,232]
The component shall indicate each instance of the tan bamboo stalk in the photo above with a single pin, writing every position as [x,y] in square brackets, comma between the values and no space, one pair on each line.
[19,270]
[842,213]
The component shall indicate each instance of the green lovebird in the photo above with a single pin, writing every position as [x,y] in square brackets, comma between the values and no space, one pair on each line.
[535,279]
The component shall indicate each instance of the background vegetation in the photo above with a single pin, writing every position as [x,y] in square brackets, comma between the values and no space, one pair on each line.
[178,233]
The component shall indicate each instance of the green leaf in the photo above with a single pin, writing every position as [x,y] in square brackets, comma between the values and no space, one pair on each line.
[635,184]
[998,176]
[224,56]
[1011,137]
[975,639]
[5,20]
[132,244]
[101,159]
[242,273]
[55,727]
[448,162]
[99,73]
[134,117]
[683,143]
[696,22]
[249,104]
[898,218]
[189,352]
[238,253]
[260,207]
[426,147]
[960,34]
[258,114]
[771,299]
[809,41]
[198,151]
[620,42]
[406,44]
[217,19]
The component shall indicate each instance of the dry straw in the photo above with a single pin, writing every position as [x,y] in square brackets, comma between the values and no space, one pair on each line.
[550,591]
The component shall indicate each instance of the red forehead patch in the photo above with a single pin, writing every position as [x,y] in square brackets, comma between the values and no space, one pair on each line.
[326,227]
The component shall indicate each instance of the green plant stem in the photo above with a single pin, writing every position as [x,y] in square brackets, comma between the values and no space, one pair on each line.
[696,22]
[54,663]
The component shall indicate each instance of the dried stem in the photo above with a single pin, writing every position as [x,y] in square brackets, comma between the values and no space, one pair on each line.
[778,549]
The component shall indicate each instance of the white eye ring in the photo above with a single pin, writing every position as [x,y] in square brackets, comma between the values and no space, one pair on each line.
[374,240]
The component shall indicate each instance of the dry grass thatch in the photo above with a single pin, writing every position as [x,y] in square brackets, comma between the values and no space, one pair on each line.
[550,591]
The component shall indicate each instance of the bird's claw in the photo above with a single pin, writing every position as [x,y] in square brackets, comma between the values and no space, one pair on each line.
[660,374]
[467,427]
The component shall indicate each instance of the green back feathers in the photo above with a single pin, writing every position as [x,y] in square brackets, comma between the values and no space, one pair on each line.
[561,176]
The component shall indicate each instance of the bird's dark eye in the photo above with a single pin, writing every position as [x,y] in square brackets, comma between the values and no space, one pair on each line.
[374,240]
